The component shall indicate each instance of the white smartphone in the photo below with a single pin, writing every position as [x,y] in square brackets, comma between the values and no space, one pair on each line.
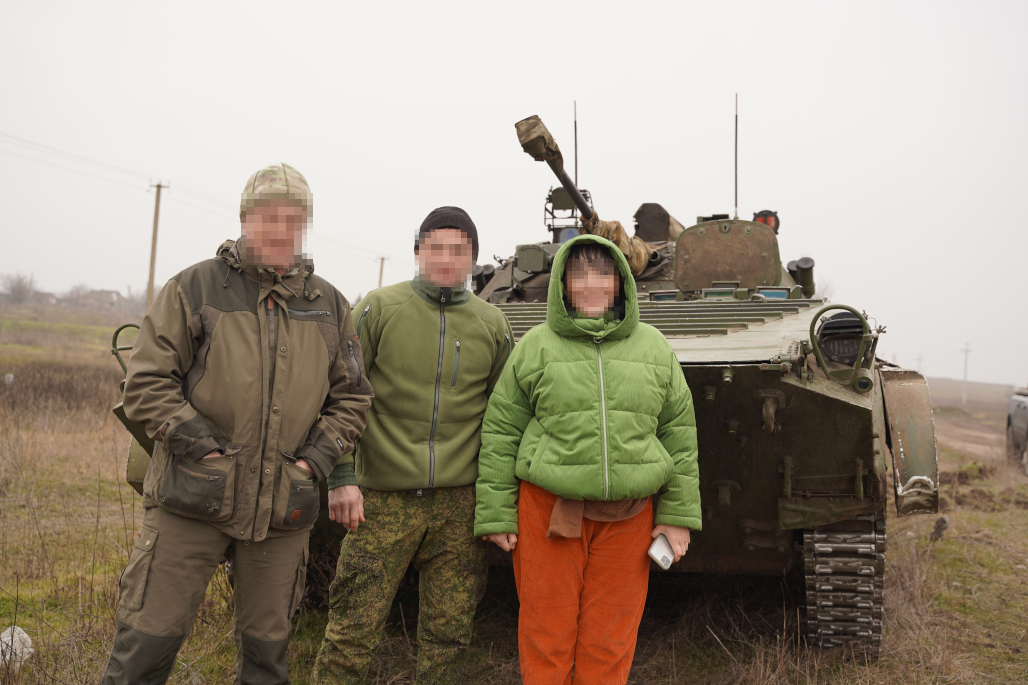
[661,552]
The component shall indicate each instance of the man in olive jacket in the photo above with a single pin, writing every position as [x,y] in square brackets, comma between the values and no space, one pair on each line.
[433,352]
[247,373]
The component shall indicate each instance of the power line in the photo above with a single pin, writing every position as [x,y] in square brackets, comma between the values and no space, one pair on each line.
[202,196]
[46,149]
[77,171]
[338,243]
[223,215]
[88,160]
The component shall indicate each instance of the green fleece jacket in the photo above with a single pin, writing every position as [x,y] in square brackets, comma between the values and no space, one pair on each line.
[433,356]
[590,409]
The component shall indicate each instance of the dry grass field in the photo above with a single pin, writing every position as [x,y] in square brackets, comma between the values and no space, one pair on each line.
[956,610]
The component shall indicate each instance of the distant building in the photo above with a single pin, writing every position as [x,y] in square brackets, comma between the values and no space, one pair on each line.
[39,297]
[110,299]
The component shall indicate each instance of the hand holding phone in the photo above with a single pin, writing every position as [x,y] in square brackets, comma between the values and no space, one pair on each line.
[661,552]
[669,541]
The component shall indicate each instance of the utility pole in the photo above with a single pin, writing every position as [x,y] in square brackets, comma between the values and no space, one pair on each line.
[153,246]
[966,351]
[381,268]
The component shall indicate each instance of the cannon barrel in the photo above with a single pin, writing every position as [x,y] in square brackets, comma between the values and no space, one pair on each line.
[569,185]
[537,142]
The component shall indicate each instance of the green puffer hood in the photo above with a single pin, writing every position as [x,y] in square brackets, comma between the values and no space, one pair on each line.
[562,323]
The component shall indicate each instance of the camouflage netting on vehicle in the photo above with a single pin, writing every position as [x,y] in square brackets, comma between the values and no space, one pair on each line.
[635,249]
[536,140]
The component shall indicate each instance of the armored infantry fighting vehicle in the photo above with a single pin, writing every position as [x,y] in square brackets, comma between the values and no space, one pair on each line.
[797,419]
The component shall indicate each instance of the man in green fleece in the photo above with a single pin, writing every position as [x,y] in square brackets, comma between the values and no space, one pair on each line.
[432,351]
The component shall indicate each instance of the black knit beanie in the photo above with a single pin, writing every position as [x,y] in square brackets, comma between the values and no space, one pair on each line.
[450,217]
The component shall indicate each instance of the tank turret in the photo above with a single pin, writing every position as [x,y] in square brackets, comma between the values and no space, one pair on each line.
[668,260]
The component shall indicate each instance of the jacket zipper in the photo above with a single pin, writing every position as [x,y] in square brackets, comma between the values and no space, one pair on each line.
[507,338]
[271,369]
[456,365]
[271,384]
[364,315]
[603,413]
[438,378]
[349,344]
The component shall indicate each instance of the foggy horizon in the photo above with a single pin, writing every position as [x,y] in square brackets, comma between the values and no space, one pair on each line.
[888,137]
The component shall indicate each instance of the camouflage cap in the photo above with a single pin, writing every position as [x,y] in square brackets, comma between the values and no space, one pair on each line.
[276,182]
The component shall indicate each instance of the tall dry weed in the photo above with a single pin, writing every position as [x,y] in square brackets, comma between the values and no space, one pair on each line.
[61,532]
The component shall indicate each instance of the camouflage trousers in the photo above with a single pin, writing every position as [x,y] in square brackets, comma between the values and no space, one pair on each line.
[435,531]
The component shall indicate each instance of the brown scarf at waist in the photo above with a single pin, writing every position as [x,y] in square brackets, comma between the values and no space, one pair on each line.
[566,517]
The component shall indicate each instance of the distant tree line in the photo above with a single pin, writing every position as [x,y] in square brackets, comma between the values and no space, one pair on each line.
[19,289]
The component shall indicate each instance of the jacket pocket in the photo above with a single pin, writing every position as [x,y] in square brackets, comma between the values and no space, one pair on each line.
[364,315]
[456,364]
[356,365]
[133,579]
[201,490]
[536,457]
[666,462]
[298,501]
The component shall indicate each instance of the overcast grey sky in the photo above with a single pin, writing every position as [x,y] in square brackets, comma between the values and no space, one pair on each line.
[892,138]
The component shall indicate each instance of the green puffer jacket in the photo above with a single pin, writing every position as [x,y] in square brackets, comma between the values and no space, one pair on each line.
[590,409]
[433,356]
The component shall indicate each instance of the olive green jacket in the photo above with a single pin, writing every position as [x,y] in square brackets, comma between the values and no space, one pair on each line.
[433,355]
[590,409]
[236,358]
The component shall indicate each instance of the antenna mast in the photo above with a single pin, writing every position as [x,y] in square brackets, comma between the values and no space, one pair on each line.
[736,155]
[574,212]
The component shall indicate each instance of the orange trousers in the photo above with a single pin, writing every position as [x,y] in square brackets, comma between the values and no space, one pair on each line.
[581,598]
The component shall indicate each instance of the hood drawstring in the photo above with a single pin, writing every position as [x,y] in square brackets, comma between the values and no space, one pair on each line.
[228,272]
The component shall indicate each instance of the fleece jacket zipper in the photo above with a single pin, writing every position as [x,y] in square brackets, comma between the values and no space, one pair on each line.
[438,378]
[456,364]
[364,315]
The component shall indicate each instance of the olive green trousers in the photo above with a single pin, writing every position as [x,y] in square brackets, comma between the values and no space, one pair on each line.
[435,531]
[172,562]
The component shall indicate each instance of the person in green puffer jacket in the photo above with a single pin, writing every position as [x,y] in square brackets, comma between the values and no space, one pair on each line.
[588,441]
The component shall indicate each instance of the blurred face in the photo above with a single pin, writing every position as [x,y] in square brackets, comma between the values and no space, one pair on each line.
[445,257]
[274,233]
[592,287]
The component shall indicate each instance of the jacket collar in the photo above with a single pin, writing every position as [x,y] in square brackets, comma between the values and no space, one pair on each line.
[288,285]
[557,317]
[436,295]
